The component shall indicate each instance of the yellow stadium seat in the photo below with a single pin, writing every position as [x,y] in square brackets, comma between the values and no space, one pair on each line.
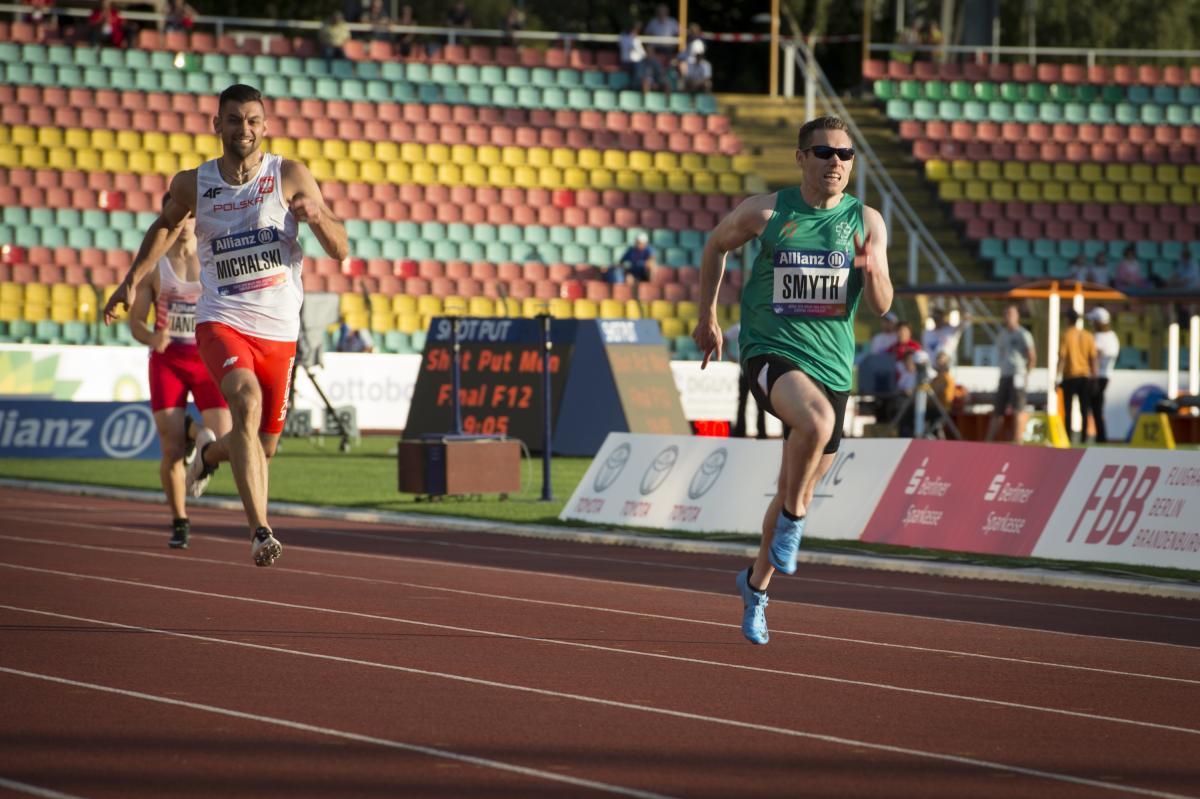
[35,313]
[1167,173]
[129,140]
[531,307]
[358,319]
[191,160]
[950,190]
[33,156]
[437,153]
[661,309]
[86,160]
[653,180]
[1191,175]
[988,170]
[77,138]
[50,137]
[1155,193]
[285,148]
[672,327]
[399,172]
[345,170]
[1182,195]
[562,157]
[138,162]
[704,183]
[937,169]
[1015,171]
[481,306]
[154,141]
[633,309]
[383,322]
[404,304]
[454,305]
[1040,171]
[360,151]
[601,179]
[1066,172]
[1091,173]
[729,183]
[164,163]
[687,311]
[308,149]
[560,308]
[550,177]
[665,161]
[718,163]
[62,294]
[351,302]
[1003,191]
[1116,173]
[614,160]
[512,156]
[500,175]
[1141,173]
[526,177]
[10,312]
[585,309]
[692,162]
[22,135]
[114,161]
[508,307]
[449,174]
[575,178]
[321,168]
[371,172]
[640,160]
[207,144]
[743,164]
[488,155]
[60,158]
[462,154]
[1030,191]
[1131,193]
[428,305]
[611,309]
[962,170]
[1104,193]
[180,142]
[12,292]
[62,313]
[334,149]
[424,174]
[474,175]
[1080,192]
[679,182]
[408,322]
[588,158]
[628,180]
[1054,191]
[537,156]
[387,151]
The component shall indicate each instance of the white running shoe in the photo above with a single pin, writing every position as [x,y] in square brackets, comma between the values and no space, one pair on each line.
[264,548]
[198,473]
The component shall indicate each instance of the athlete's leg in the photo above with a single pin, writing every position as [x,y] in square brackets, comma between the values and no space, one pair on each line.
[217,420]
[241,446]
[169,422]
[802,405]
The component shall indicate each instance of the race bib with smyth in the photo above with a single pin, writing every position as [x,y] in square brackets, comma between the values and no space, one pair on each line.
[810,283]
[249,261]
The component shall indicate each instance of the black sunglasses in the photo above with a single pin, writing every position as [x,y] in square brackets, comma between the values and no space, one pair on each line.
[825,152]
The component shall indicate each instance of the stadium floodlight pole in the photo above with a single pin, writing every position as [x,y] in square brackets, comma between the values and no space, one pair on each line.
[547,415]
[456,376]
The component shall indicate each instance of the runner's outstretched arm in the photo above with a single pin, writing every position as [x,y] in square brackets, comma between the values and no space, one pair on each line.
[304,200]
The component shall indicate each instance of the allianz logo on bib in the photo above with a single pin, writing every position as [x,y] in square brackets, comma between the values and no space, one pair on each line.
[244,240]
[832,259]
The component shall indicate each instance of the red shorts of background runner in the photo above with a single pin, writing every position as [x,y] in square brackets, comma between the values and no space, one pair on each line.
[225,349]
[177,370]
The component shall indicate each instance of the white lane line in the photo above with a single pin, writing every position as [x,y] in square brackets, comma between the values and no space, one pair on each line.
[833,739]
[35,790]
[621,650]
[329,731]
[191,558]
[526,574]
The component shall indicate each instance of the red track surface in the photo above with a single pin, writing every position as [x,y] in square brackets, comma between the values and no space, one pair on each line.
[375,661]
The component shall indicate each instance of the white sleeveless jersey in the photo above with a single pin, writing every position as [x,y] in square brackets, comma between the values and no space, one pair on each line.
[175,307]
[250,258]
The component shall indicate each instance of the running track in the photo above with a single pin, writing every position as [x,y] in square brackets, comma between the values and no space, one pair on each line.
[376,661]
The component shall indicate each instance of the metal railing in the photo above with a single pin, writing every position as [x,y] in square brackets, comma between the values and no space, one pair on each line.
[1087,54]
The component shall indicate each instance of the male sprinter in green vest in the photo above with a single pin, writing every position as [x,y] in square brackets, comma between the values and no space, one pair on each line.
[822,250]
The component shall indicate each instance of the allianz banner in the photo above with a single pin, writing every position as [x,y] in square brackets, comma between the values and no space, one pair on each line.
[724,484]
[32,428]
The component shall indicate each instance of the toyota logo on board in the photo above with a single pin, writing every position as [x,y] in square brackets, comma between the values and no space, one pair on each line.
[612,467]
[708,472]
[659,469]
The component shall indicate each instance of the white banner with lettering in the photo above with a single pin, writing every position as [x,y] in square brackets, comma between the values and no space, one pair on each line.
[724,484]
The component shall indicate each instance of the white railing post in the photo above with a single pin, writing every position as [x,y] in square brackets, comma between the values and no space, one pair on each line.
[1052,356]
[810,81]
[789,69]
[1173,360]
[1194,356]
[913,256]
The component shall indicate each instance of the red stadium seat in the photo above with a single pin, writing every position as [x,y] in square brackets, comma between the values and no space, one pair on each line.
[430,269]
[549,216]
[1073,73]
[519,288]
[998,72]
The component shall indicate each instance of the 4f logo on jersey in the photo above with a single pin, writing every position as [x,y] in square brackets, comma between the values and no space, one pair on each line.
[266,185]
[212,193]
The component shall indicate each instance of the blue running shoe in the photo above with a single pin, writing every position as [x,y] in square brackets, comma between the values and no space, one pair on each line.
[754,618]
[786,543]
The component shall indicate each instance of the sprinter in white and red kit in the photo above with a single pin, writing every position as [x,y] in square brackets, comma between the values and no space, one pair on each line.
[248,205]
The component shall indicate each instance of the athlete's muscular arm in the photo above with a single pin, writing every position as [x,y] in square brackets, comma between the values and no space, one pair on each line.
[304,200]
[139,312]
[745,222]
[871,257]
[157,241]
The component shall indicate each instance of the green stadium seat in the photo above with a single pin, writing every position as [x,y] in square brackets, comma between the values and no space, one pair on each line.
[935,90]
[43,74]
[16,73]
[1017,248]
[1163,94]
[949,110]
[491,74]
[1177,115]
[1152,114]
[1075,113]
[1045,248]
[416,340]
[962,91]
[911,90]
[541,76]
[1026,112]
[554,97]
[48,332]
[1138,94]
[1062,92]
[76,332]
[21,331]
[10,52]
[393,249]
[925,110]
[1011,92]
[516,76]
[595,80]
[109,57]
[998,111]
[570,78]
[1049,112]
[991,248]
[396,341]
[1189,95]
[884,89]
[404,92]
[1100,114]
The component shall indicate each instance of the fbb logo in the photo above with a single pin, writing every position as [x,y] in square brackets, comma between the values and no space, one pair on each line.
[1115,503]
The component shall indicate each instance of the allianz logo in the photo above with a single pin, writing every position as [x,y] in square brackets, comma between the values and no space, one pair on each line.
[125,433]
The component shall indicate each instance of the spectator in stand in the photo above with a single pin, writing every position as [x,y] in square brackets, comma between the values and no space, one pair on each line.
[694,68]
[1077,371]
[1129,272]
[641,67]
[910,36]
[41,17]
[405,42]
[885,339]
[932,36]
[1017,356]
[513,21]
[1100,271]
[333,37]
[377,17]
[352,10]
[1187,272]
[106,27]
[1108,347]
[179,16]
[944,336]
[1080,270]
[663,24]
[459,16]
[637,262]
[904,342]
[352,340]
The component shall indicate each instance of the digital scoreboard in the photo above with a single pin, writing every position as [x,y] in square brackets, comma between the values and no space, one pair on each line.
[606,375]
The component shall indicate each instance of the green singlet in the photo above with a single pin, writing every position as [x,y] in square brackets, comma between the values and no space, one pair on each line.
[803,290]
